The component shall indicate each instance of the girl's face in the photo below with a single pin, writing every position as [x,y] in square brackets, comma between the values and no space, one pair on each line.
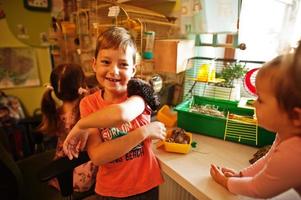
[268,112]
[114,68]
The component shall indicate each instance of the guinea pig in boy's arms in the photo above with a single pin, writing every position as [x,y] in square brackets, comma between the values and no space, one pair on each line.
[145,90]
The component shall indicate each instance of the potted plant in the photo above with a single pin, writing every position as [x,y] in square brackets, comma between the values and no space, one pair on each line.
[231,73]
[229,87]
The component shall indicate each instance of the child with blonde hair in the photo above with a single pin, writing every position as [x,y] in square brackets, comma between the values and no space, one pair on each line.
[278,109]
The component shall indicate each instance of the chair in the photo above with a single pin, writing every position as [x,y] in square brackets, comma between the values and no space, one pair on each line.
[19,179]
[26,179]
[62,169]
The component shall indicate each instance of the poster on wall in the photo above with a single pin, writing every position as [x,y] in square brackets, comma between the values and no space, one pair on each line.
[209,16]
[18,67]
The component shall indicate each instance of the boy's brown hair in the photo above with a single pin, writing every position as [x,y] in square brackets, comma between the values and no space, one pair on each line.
[114,38]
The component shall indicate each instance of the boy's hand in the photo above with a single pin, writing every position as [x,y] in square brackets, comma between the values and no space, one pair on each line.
[218,176]
[75,142]
[154,130]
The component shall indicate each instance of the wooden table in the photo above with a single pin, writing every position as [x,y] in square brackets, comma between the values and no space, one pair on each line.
[191,171]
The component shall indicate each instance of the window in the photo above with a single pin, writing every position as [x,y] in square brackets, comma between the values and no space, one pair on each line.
[268,27]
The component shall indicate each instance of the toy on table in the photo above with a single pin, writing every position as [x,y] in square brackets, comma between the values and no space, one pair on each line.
[177,140]
[260,153]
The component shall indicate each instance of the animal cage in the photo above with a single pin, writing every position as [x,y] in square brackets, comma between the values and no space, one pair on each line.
[75,29]
[93,19]
[194,86]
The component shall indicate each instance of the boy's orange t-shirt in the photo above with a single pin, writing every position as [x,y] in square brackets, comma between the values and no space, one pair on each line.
[137,171]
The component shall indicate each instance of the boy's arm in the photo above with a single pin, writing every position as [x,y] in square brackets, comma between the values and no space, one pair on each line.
[104,152]
[109,116]
[114,114]
[140,93]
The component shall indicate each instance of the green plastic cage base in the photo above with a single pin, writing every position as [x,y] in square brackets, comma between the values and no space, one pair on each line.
[215,126]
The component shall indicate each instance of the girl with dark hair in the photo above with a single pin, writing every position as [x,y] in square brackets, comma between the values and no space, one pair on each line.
[67,83]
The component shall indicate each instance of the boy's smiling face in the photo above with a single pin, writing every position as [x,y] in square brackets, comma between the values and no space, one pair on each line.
[114,68]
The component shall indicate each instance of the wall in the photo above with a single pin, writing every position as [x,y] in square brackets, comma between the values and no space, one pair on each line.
[29,96]
[165,7]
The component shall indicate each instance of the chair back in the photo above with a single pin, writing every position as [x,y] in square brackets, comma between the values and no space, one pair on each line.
[19,178]
[10,175]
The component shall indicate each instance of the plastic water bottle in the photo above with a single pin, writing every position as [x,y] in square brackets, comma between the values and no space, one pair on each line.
[149,44]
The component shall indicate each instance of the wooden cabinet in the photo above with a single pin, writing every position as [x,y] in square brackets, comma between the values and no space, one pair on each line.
[172,55]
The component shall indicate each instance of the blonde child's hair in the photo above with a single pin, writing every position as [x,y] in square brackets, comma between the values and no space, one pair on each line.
[283,74]
[115,38]
[269,72]
[289,92]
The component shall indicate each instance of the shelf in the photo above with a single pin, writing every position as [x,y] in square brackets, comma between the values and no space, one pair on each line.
[145,3]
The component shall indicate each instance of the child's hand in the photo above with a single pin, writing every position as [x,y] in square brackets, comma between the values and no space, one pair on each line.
[154,130]
[218,176]
[230,172]
[75,142]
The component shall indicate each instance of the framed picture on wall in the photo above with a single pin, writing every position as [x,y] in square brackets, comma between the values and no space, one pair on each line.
[2,14]
[18,67]
[38,5]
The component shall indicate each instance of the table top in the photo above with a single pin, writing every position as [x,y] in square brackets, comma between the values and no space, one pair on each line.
[192,170]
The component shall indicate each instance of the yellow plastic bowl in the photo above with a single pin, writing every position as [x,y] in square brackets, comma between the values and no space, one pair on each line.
[166,116]
[176,147]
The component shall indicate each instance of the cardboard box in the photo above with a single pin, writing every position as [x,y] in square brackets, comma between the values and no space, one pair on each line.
[172,55]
